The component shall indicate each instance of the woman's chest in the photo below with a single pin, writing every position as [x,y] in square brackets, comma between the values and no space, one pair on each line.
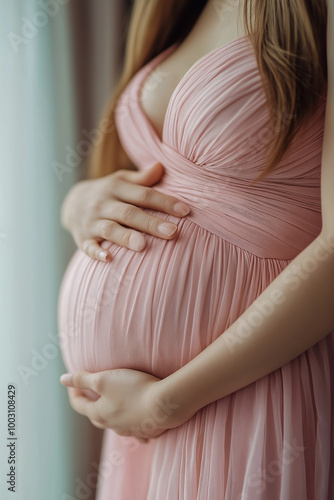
[212,30]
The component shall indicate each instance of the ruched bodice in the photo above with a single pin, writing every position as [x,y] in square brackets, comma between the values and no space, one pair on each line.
[215,136]
[155,310]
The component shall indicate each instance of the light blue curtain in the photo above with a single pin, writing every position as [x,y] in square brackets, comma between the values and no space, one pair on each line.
[55,448]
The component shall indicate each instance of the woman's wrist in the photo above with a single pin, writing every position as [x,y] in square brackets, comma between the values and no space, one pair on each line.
[173,402]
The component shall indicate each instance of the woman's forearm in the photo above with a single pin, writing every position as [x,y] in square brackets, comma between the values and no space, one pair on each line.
[292,314]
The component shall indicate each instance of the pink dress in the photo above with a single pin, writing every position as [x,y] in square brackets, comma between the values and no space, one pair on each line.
[157,309]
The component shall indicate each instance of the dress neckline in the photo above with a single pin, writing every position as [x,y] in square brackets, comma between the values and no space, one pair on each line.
[160,57]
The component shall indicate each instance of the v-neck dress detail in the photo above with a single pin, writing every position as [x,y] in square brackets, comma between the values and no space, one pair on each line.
[191,71]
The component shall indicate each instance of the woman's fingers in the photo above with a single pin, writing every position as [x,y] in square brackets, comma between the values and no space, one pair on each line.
[146,177]
[140,195]
[111,230]
[93,249]
[120,214]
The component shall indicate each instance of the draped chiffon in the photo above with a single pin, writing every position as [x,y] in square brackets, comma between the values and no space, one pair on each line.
[157,309]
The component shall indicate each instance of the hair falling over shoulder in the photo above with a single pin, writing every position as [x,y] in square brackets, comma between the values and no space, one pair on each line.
[289,40]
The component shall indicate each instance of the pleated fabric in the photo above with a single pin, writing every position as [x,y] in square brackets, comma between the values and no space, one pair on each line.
[155,310]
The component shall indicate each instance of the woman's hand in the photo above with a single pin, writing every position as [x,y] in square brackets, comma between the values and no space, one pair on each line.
[127,401]
[98,209]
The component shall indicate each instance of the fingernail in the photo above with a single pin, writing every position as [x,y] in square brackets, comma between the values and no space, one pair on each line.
[181,208]
[66,379]
[137,242]
[103,255]
[166,228]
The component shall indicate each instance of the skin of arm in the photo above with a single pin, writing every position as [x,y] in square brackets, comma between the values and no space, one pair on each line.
[291,315]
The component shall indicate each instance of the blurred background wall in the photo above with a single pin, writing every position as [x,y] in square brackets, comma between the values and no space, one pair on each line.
[59,61]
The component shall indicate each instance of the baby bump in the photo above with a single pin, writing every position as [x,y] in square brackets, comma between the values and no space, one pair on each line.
[152,310]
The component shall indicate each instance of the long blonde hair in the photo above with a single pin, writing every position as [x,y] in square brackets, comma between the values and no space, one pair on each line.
[289,41]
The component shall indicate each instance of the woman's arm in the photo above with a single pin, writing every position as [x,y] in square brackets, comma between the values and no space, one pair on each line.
[294,312]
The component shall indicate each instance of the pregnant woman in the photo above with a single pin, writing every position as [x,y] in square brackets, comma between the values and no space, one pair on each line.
[200,335]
